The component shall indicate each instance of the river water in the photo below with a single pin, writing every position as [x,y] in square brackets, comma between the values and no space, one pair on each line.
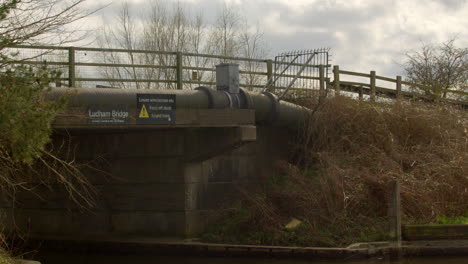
[61,258]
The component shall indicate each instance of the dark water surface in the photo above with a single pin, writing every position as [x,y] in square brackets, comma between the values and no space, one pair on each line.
[63,258]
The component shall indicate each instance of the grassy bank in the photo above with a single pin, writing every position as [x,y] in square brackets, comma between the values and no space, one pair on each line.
[457,220]
[4,258]
[337,180]
[4,255]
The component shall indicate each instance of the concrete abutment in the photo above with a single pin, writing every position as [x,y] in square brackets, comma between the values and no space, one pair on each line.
[157,182]
[162,173]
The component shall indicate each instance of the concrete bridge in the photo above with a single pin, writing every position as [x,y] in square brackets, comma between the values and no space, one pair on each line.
[167,160]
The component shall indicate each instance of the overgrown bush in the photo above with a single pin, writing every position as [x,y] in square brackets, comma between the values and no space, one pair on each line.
[338,182]
[27,157]
[25,114]
[4,254]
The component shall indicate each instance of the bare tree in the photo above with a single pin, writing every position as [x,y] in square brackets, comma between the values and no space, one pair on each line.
[233,36]
[198,45]
[164,29]
[124,37]
[39,21]
[438,68]
[226,31]
[167,29]
[254,47]
[171,29]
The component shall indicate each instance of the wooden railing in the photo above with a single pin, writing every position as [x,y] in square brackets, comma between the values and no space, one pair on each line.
[147,69]
[370,88]
[181,70]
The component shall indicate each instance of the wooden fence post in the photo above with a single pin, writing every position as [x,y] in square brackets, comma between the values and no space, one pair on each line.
[394,213]
[321,83]
[398,88]
[179,70]
[372,86]
[269,64]
[71,67]
[336,77]
[327,86]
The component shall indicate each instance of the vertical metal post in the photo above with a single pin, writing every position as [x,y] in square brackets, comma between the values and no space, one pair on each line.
[322,83]
[394,213]
[179,70]
[71,67]
[372,86]
[398,88]
[336,77]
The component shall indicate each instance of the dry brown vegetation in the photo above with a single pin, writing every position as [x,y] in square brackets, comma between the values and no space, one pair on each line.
[345,159]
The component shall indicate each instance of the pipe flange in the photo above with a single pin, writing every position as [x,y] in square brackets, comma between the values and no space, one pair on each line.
[228,95]
[237,96]
[247,98]
[210,93]
[274,110]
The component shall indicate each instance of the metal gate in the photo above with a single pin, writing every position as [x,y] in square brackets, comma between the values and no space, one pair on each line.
[297,72]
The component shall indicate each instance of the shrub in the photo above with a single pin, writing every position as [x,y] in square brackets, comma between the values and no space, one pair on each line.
[346,158]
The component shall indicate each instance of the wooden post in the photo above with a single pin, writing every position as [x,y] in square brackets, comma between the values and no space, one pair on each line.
[269,64]
[398,88]
[322,83]
[372,86]
[394,213]
[336,76]
[361,92]
[327,86]
[179,70]
[71,67]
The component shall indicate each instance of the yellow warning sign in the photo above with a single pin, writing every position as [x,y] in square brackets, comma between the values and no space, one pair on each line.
[143,112]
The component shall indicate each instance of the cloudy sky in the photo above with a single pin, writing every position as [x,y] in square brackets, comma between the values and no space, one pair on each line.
[363,35]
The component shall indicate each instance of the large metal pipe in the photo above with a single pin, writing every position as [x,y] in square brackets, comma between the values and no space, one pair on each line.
[268,110]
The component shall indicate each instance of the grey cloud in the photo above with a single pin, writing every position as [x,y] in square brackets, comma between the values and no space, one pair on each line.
[452,4]
[382,48]
[207,7]
[299,41]
[339,16]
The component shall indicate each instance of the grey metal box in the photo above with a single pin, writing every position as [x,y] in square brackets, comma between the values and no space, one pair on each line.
[227,77]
